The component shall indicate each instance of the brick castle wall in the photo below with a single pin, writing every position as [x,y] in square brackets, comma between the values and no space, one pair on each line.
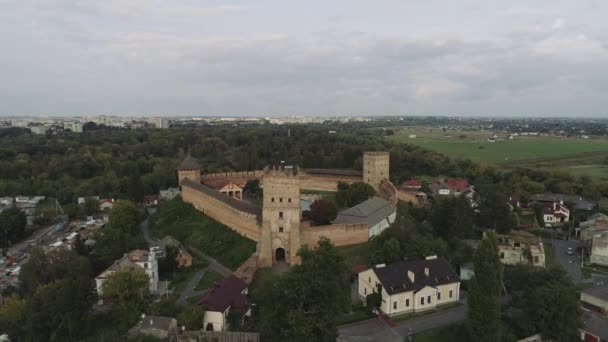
[243,223]
[338,234]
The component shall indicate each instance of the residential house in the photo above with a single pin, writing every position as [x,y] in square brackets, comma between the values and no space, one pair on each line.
[168,194]
[599,249]
[578,202]
[225,186]
[411,286]
[515,201]
[156,326]
[135,259]
[183,258]
[228,295]
[555,213]
[595,299]
[106,204]
[377,212]
[520,247]
[595,327]
[595,224]
[151,200]
[452,187]
[412,184]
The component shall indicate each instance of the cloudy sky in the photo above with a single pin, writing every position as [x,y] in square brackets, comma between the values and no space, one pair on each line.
[263,57]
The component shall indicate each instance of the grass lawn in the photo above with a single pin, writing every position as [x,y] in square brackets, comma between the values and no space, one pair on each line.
[589,269]
[179,279]
[185,223]
[550,261]
[452,332]
[578,156]
[355,254]
[209,278]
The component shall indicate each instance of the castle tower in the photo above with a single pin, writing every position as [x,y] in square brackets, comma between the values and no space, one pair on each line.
[190,169]
[280,217]
[375,168]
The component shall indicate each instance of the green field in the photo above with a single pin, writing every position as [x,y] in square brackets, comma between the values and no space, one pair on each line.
[195,229]
[575,155]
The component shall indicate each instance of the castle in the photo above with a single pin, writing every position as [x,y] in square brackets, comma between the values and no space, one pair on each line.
[277,226]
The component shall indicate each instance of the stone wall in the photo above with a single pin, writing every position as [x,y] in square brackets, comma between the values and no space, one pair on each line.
[325,182]
[243,223]
[339,234]
[599,250]
[239,178]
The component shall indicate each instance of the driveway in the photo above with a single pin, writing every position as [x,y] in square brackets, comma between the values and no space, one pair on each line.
[189,290]
[376,330]
[570,263]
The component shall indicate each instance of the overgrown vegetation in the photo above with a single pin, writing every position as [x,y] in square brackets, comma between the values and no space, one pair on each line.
[197,230]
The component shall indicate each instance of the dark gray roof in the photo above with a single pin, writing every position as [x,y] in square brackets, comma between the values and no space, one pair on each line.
[394,277]
[595,324]
[334,172]
[600,292]
[370,211]
[231,201]
[580,203]
[189,163]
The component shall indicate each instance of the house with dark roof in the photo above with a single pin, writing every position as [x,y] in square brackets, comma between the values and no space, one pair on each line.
[228,295]
[555,213]
[411,286]
[377,212]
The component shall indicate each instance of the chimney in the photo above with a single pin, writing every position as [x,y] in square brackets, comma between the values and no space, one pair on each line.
[426,271]
[410,275]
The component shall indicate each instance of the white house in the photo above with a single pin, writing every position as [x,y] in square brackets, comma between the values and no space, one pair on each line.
[106,204]
[378,213]
[411,286]
[555,212]
[168,194]
[136,258]
[230,294]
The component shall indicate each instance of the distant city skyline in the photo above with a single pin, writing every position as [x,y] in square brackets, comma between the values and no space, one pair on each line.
[274,58]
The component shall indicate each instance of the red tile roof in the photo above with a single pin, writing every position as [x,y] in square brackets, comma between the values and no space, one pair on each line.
[412,183]
[457,184]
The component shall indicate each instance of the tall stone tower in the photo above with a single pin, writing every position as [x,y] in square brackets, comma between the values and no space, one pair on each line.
[190,169]
[281,216]
[375,168]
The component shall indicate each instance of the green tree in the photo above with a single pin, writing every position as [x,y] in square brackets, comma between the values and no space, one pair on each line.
[308,299]
[15,313]
[494,210]
[43,268]
[128,289]
[252,189]
[322,212]
[353,194]
[12,226]
[119,236]
[192,317]
[91,206]
[483,320]
[452,217]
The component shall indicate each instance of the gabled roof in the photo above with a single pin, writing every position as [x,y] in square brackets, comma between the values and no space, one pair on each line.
[394,277]
[370,211]
[227,292]
[219,183]
[189,163]
[457,184]
[233,202]
[412,183]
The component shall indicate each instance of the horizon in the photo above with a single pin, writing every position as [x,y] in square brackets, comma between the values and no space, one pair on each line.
[275,59]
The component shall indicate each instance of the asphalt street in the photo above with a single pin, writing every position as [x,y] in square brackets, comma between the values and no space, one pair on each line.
[570,263]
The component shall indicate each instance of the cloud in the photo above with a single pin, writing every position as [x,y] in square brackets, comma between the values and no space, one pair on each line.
[558,23]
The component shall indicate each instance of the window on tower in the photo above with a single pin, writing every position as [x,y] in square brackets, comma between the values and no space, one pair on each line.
[280,214]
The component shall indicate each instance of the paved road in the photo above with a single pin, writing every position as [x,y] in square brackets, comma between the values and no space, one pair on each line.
[570,263]
[189,291]
[376,330]
[145,229]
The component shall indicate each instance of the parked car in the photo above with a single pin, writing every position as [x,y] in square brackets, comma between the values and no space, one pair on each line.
[570,251]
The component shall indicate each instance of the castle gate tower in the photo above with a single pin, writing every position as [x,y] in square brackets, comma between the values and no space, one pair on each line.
[375,168]
[190,169]
[281,216]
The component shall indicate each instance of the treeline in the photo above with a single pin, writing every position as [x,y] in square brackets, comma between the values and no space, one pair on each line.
[129,164]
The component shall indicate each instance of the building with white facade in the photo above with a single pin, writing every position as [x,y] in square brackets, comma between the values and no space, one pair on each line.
[377,212]
[555,213]
[411,286]
[161,123]
[135,259]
